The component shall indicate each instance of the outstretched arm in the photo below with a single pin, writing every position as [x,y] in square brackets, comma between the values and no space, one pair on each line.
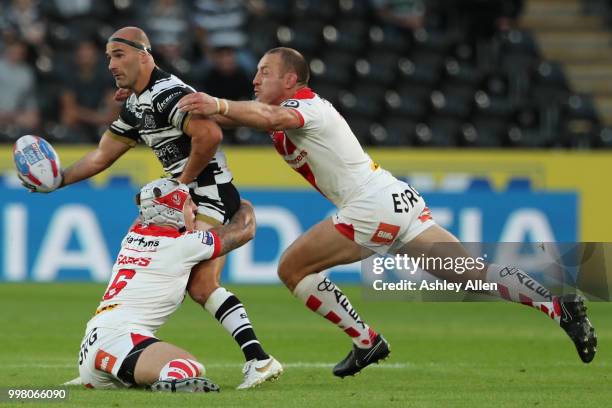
[244,113]
[107,152]
[239,231]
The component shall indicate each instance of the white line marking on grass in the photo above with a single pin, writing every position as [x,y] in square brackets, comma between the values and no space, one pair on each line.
[322,365]
[297,365]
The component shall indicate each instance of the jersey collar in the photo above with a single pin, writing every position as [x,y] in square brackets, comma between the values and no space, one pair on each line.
[303,93]
[156,75]
[156,231]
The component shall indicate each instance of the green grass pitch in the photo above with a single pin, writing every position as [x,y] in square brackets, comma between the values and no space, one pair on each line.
[443,354]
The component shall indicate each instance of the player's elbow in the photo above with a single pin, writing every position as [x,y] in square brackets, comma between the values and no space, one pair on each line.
[247,224]
[215,134]
[245,236]
[205,132]
[249,232]
[212,134]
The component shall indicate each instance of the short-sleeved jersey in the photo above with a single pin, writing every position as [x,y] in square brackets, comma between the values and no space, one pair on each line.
[150,276]
[325,151]
[154,117]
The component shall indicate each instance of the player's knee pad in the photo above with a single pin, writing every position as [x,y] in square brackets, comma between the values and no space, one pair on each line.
[181,368]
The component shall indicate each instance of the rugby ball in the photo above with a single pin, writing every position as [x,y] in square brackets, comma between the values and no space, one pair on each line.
[37,163]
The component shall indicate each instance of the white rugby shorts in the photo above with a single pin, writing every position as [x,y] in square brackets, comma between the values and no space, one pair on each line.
[384,219]
[102,353]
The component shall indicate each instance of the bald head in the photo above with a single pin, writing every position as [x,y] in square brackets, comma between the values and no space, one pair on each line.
[130,59]
[132,36]
[293,61]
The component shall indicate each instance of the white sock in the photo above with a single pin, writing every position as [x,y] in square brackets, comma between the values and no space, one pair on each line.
[322,296]
[516,285]
[230,312]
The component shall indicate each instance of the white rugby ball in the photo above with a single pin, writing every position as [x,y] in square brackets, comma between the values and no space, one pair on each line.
[37,163]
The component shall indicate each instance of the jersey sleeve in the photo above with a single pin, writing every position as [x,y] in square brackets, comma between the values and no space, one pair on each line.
[166,107]
[123,128]
[306,110]
[200,245]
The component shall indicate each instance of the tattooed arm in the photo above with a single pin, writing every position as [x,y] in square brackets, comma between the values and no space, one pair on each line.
[239,231]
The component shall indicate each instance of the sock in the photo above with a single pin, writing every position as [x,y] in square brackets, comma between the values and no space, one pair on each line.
[322,296]
[516,285]
[228,310]
[181,368]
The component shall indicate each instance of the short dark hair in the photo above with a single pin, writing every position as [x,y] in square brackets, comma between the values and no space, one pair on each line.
[293,61]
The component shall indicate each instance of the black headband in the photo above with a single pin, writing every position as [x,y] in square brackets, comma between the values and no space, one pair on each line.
[141,47]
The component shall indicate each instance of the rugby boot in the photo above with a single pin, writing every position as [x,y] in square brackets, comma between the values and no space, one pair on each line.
[358,358]
[576,324]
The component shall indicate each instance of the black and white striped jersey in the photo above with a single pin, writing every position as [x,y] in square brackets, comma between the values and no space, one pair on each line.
[154,117]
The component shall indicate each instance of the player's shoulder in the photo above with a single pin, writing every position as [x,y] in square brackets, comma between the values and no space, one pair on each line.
[303,99]
[129,109]
[204,237]
[166,86]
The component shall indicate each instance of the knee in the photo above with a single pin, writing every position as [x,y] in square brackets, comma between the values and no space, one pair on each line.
[284,269]
[291,272]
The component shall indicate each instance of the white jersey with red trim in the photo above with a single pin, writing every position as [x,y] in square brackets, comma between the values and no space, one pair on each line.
[150,276]
[325,151]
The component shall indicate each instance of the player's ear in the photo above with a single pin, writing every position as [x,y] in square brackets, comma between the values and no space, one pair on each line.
[144,56]
[137,199]
[290,80]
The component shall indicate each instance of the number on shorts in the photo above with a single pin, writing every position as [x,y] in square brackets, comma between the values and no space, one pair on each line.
[119,283]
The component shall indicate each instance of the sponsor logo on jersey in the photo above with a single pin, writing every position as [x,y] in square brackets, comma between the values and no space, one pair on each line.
[104,361]
[385,233]
[161,105]
[291,103]
[205,236]
[406,200]
[425,215]
[130,260]
[140,241]
[149,121]
[132,106]
[296,161]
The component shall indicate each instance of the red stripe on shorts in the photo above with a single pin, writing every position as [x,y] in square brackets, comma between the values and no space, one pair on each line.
[347,230]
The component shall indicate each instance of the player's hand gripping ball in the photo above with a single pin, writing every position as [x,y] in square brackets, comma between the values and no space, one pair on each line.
[38,165]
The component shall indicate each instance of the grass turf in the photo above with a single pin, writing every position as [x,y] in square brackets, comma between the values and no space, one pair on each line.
[443,354]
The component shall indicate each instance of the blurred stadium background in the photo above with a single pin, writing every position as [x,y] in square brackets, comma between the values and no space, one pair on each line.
[500,112]
[442,73]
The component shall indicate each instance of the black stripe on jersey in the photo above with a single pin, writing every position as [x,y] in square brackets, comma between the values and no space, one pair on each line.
[177,168]
[167,140]
[158,130]
[175,85]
